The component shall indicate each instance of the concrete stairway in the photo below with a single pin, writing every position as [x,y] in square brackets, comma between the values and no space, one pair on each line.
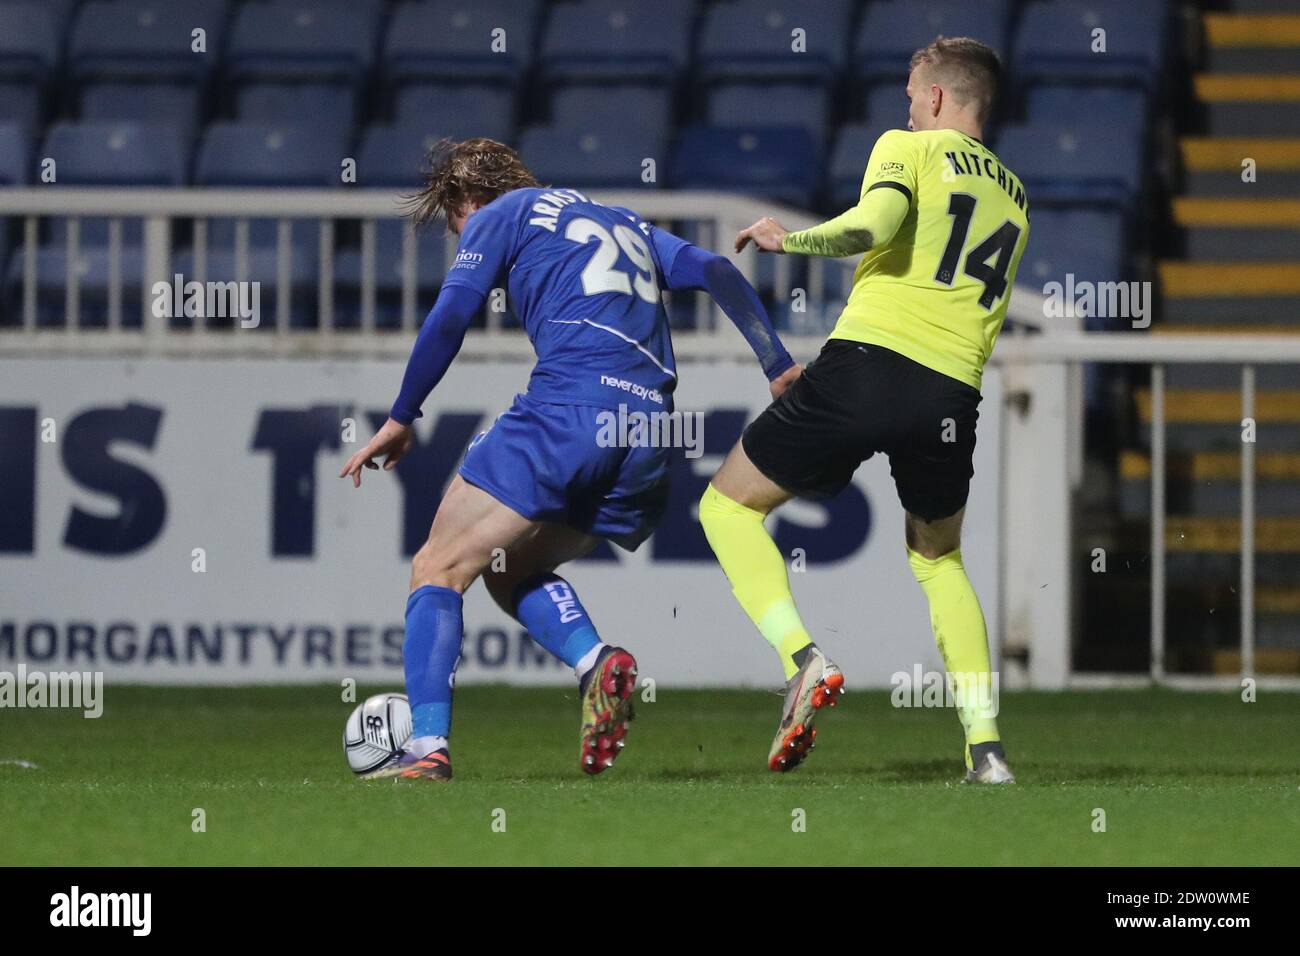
[1239,274]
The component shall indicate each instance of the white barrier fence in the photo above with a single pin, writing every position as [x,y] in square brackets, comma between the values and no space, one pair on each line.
[175,224]
[1039,375]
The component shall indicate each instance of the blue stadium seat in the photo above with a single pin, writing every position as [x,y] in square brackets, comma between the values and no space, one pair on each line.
[892,30]
[14,159]
[267,154]
[60,10]
[98,154]
[771,104]
[15,151]
[457,111]
[332,104]
[257,154]
[263,268]
[775,162]
[1089,105]
[145,39]
[886,106]
[92,269]
[754,39]
[318,41]
[430,267]
[171,104]
[593,157]
[1058,164]
[391,157]
[1038,267]
[1077,241]
[1055,41]
[648,107]
[20,102]
[456,40]
[106,153]
[101,153]
[29,42]
[619,40]
[848,163]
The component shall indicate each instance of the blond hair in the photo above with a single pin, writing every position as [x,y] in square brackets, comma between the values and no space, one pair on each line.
[966,68]
[459,174]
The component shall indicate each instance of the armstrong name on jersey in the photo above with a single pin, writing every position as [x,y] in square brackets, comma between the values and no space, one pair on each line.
[585,282]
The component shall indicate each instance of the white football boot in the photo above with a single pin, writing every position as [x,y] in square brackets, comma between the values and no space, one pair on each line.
[817,684]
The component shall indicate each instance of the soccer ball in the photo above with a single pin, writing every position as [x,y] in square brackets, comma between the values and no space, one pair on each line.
[377,733]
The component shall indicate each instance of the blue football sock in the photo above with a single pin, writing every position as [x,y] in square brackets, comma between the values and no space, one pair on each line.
[549,608]
[434,628]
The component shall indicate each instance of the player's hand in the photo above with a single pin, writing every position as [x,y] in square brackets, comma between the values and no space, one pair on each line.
[393,440]
[767,234]
[783,381]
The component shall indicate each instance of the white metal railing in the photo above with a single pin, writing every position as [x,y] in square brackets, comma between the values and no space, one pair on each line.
[1050,522]
[717,217]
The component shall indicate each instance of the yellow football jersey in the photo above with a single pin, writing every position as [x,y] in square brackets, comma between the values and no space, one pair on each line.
[938,291]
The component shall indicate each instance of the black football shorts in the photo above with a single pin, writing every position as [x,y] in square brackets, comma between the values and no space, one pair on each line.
[856,400]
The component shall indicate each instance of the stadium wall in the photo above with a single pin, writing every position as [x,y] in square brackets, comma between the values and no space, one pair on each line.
[179,521]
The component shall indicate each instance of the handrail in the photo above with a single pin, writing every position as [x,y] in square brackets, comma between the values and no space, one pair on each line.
[727,212]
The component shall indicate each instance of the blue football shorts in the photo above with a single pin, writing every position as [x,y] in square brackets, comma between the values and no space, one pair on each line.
[545,462]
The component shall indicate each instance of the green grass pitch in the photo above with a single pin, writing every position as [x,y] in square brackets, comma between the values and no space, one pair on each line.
[1183,778]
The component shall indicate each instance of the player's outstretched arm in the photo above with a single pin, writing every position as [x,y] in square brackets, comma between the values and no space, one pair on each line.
[871,223]
[439,340]
[694,268]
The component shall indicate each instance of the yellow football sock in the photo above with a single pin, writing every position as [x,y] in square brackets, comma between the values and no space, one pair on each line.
[959,630]
[756,571]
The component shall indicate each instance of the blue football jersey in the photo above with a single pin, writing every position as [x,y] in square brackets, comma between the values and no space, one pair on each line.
[585,280]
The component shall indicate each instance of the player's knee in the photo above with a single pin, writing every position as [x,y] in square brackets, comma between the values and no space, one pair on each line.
[933,551]
[437,567]
[933,539]
[715,509]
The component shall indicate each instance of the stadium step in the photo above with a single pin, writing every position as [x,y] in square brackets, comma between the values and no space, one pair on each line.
[1221,534]
[1213,406]
[1250,42]
[1208,419]
[1213,466]
[1204,279]
[1239,222]
[1249,104]
[1238,229]
[1217,291]
[1268,660]
[1212,165]
[1209,483]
